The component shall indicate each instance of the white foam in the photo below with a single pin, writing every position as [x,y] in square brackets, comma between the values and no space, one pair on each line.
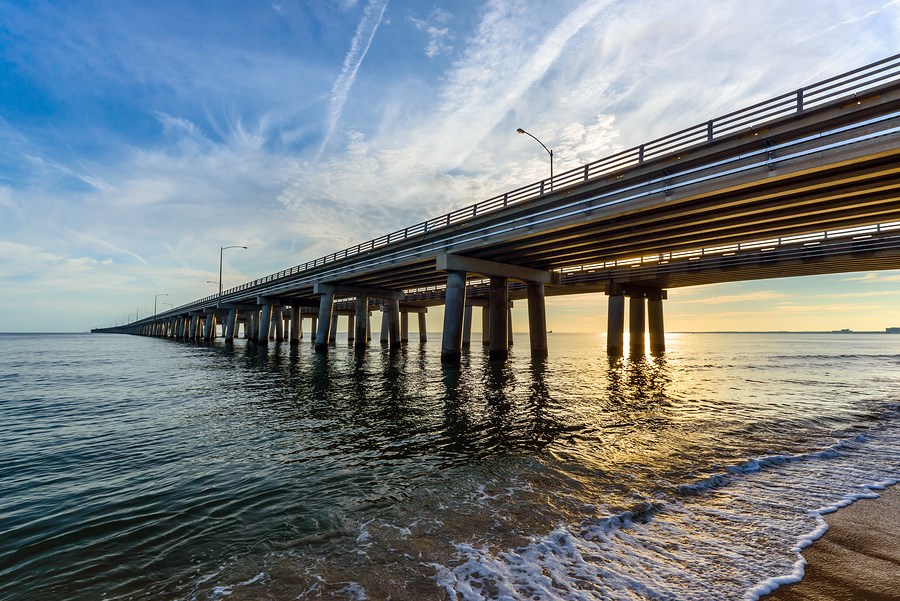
[737,534]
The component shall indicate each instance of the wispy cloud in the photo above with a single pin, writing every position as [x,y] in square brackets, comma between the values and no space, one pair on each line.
[359,46]
[439,34]
[749,297]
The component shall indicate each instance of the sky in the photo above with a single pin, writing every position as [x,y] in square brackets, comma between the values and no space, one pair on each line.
[137,138]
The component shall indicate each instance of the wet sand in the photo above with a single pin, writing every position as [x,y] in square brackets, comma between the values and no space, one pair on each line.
[858,558]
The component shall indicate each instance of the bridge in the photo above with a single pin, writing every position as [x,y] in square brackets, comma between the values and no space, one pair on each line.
[804,183]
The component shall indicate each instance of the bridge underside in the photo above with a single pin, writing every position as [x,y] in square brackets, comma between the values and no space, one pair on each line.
[809,193]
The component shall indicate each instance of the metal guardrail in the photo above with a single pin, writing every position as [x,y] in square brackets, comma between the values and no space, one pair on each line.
[848,85]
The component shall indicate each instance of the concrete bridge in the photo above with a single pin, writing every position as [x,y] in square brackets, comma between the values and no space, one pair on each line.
[805,183]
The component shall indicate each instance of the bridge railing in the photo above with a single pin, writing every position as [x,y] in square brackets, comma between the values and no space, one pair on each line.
[846,85]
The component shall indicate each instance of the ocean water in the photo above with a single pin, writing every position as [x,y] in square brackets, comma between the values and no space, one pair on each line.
[137,468]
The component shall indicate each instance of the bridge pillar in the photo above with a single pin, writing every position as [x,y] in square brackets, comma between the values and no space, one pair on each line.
[295,323]
[393,306]
[467,326]
[231,324]
[332,332]
[637,324]
[509,330]
[208,325]
[351,328]
[265,320]
[423,332]
[368,326]
[537,319]
[253,326]
[485,326]
[657,330]
[454,307]
[615,326]
[313,327]
[385,324]
[195,321]
[279,324]
[326,306]
[361,336]
[499,327]
[404,327]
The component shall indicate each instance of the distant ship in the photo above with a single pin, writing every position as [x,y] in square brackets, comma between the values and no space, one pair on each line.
[894,330]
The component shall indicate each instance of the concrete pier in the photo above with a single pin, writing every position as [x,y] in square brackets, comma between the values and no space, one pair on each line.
[326,306]
[231,324]
[657,329]
[332,332]
[385,326]
[537,319]
[454,307]
[467,326]
[637,324]
[615,324]
[499,327]
[296,324]
[265,319]
[393,306]
[423,329]
[361,336]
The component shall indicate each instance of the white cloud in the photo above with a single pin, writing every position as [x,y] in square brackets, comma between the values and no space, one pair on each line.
[747,297]
[359,46]
[439,37]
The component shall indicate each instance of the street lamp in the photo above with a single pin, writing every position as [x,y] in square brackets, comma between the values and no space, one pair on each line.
[222,250]
[137,313]
[156,297]
[550,152]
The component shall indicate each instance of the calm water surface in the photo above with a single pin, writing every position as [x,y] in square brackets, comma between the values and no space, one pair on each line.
[135,468]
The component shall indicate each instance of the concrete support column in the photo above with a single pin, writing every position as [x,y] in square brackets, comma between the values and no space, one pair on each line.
[192,334]
[467,326]
[231,324]
[209,324]
[369,326]
[394,323]
[404,326]
[509,330]
[423,330]
[537,319]
[265,321]
[326,306]
[295,324]
[499,308]
[657,330]
[361,336]
[615,326]
[313,327]
[637,324]
[454,307]
[253,326]
[351,328]
[385,324]
[279,324]
[485,326]
[332,333]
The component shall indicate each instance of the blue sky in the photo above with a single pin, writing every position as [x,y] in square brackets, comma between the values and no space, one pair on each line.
[138,137]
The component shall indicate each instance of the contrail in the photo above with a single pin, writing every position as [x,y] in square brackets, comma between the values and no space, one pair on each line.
[362,39]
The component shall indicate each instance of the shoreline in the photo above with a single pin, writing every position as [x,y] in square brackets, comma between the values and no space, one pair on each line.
[857,558]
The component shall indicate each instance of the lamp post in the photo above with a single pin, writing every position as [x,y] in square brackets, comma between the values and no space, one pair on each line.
[137,313]
[550,152]
[222,250]
[156,297]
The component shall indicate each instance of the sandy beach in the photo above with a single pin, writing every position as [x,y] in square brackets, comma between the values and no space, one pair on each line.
[858,558]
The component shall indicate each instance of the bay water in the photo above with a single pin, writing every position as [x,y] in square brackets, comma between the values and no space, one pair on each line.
[137,468]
